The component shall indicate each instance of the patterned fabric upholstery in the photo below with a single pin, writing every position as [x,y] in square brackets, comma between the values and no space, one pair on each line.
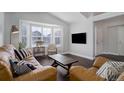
[21,54]
[21,67]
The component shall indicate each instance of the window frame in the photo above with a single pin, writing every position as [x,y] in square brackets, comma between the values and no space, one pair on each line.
[42,25]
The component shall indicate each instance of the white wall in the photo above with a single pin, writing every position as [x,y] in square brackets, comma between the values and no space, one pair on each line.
[1,28]
[84,50]
[43,17]
[87,25]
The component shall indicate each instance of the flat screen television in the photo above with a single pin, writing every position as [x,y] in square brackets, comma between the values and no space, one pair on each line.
[79,38]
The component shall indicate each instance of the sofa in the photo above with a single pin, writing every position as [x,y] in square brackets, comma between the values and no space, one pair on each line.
[80,73]
[43,73]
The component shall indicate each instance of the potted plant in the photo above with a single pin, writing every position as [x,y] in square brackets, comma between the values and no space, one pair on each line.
[21,45]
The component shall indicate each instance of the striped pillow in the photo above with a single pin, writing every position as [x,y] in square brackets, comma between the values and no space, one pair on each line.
[21,54]
[22,67]
[111,70]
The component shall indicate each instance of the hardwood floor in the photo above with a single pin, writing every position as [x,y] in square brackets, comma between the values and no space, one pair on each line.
[46,61]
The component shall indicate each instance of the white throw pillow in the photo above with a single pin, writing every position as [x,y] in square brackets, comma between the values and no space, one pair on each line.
[111,70]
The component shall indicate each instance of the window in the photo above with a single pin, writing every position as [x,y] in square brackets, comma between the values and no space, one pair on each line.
[47,35]
[24,34]
[57,36]
[34,32]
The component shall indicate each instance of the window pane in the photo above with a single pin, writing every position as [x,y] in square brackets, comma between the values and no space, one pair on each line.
[36,34]
[47,40]
[36,31]
[57,40]
[24,29]
[36,38]
[24,40]
[47,32]
[57,32]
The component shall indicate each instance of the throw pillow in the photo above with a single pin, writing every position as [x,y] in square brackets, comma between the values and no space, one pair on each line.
[21,54]
[111,70]
[22,67]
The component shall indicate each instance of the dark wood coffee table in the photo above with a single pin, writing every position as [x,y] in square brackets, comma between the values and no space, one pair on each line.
[63,61]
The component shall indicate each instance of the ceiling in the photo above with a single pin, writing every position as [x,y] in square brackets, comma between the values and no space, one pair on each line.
[72,17]
[69,17]
[89,14]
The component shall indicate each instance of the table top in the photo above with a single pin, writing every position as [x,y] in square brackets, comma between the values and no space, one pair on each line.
[63,59]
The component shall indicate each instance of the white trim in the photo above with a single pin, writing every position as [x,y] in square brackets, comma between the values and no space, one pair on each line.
[66,53]
[107,15]
[39,23]
[91,58]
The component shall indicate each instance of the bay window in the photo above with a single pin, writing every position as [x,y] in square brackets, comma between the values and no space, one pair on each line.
[32,32]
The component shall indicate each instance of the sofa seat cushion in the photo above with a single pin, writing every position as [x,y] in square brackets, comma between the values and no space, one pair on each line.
[81,73]
[44,73]
[93,69]
[21,67]
[33,61]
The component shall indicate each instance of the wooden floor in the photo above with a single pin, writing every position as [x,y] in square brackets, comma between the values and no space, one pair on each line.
[46,61]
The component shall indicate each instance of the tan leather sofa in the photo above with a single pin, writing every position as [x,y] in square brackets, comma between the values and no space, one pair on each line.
[41,73]
[80,73]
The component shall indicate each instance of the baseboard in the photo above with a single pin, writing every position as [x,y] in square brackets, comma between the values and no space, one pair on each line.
[66,53]
[91,58]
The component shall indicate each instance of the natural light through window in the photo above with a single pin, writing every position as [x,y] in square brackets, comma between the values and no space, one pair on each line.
[31,33]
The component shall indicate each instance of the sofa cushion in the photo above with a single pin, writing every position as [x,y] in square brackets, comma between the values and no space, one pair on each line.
[99,61]
[22,67]
[93,69]
[33,61]
[21,54]
[111,70]
[82,73]
[4,56]
[9,49]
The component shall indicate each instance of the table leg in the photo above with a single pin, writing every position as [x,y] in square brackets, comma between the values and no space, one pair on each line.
[69,65]
[54,64]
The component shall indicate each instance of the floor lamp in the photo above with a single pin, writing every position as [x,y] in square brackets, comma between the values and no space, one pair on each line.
[14,30]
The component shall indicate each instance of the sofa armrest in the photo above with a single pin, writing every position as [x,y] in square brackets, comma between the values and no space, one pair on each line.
[5,72]
[44,73]
[121,77]
[83,74]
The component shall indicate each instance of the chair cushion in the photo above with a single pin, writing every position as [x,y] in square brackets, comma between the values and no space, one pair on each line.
[111,70]
[99,61]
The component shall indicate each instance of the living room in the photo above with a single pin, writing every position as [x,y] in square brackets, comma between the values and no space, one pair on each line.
[61,46]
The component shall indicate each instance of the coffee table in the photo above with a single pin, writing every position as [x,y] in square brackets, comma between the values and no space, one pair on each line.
[63,61]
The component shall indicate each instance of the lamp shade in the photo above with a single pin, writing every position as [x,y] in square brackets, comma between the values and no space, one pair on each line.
[14,29]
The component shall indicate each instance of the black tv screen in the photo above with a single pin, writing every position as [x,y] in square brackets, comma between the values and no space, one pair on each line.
[79,38]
